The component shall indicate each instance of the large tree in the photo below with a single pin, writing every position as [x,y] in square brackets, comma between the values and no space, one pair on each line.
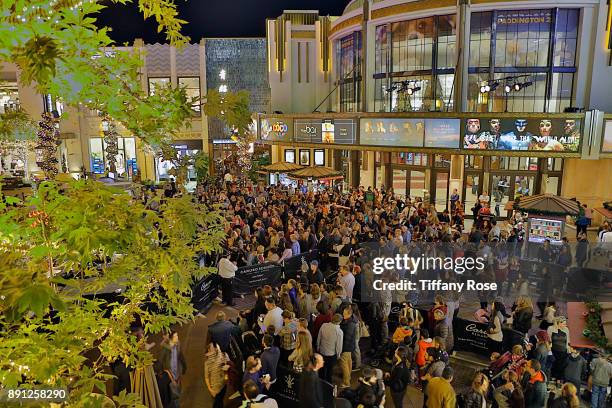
[71,241]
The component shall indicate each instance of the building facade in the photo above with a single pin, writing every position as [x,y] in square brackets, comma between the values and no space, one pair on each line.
[226,65]
[427,60]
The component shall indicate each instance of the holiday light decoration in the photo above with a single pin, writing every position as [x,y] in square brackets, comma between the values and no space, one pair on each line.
[112,143]
[48,140]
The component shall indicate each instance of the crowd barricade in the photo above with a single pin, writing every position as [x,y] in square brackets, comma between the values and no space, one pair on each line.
[293,266]
[204,292]
[248,278]
[286,389]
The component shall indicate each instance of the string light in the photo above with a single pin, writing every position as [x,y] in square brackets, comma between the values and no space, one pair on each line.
[48,140]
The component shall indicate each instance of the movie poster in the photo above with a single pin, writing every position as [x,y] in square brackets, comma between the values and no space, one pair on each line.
[274,129]
[392,132]
[442,133]
[522,134]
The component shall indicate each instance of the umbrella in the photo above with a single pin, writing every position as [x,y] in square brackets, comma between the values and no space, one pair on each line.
[281,167]
[548,204]
[317,172]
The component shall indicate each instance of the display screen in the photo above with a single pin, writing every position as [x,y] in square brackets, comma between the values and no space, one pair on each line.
[607,137]
[443,133]
[541,229]
[339,131]
[392,132]
[559,135]
[273,129]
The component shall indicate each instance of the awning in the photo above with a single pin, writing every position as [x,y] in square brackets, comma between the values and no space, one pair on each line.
[605,212]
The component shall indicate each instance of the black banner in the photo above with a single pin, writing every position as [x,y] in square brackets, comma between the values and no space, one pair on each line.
[293,265]
[470,336]
[204,292]
[286,389]
[248,278]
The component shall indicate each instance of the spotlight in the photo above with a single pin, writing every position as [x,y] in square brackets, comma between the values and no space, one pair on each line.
[409,91]
[507,88]
[487,88]
[517,87]
[483,89]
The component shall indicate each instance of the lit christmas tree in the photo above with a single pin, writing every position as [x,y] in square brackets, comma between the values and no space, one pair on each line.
[48,138]
[112,144]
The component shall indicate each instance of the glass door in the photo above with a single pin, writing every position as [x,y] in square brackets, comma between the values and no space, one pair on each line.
[416,184]
[471,190]
[399,182]
[440,190]
[501,192]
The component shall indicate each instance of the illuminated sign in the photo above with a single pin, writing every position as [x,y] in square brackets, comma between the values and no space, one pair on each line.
[522,134]
[442,133]
[392,132]
[339,131]
[273,129]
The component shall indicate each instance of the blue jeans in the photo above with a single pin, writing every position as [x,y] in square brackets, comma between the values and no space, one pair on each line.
[598,398]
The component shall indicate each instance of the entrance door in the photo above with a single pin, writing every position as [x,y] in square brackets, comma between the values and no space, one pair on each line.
[471,190]
[502,186]
[416,184]
[440,190]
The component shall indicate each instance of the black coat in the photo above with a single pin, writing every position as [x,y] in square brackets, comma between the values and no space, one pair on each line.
[400,377]
[522,320]
[349,329]
[311,394]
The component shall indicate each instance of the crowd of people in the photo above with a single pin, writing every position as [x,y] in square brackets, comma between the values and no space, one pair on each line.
[326,326]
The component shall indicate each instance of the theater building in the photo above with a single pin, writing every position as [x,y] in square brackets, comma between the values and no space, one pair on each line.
[426,96]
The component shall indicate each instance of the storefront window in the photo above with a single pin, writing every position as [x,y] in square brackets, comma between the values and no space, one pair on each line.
[442,160]
[157,83]
[192,88]
[533,46]
[290,155]
[552,185]
[125,159]
[423,52]
[349,70]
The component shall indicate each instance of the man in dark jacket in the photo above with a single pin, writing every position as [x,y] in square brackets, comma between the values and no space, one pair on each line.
[534,384]
[349,330]
[315,275]
[221,332]
[311,394]
[269,357]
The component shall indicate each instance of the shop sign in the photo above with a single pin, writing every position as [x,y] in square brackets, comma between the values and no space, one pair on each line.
[522,134]
[524,17]
[338,131]
[274,129]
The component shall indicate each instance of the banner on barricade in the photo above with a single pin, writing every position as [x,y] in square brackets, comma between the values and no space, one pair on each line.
[286,389]
[248,278]
[293,265]
[204,292]
[470,336]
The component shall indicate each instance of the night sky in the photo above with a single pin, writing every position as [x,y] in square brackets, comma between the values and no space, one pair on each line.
[210,18]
